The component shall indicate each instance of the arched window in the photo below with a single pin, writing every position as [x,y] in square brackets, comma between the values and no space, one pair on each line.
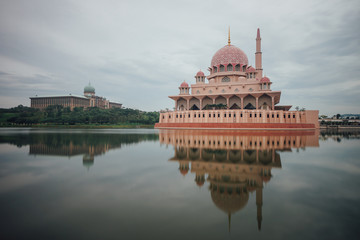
[225,79]
[237,67]
[222,68]
[244,68]
[215,69]
[229,68]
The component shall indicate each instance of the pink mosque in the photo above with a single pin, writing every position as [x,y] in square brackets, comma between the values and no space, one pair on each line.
[235,96]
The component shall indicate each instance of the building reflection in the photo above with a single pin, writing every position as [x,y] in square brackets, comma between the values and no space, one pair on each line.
[89,145]
[234,163]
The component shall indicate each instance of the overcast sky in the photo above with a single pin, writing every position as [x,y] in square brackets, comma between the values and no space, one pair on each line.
[138,52]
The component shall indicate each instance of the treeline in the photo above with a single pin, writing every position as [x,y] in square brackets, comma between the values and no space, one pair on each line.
[58,114]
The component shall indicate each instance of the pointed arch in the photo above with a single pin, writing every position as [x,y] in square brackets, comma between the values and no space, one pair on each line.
[229,67]
[249,102]
[264,101]
[220,100]
[222,68]
[206,102]
[194,104]
[181,104]
[235,102]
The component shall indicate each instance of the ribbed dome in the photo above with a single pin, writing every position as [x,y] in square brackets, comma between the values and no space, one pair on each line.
[184,85]
[265,79]
[200,73]
[229,54]
[89,88]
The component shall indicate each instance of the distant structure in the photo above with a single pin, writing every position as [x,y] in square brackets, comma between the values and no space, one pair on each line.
[88,100]
[236,96]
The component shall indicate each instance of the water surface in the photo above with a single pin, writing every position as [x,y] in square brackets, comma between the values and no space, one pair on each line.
[141,184]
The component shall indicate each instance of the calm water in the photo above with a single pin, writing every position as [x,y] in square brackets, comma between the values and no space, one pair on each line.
[149,184]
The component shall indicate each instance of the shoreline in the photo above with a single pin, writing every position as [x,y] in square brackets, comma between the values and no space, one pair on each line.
[83,126]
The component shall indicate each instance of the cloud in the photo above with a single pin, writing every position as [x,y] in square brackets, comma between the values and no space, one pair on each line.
[140,55]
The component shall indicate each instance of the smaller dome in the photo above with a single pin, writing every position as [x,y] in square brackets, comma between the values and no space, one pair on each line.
[184,171]
[250,69]
[200,183]
[200,73]
[265,79]
[266,178]
[184,85]
[89,88]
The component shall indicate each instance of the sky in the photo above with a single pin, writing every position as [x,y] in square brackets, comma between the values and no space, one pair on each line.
[138,52]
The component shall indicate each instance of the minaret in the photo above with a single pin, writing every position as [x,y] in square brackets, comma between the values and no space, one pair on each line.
[258,56]
[259,202]
[229,42]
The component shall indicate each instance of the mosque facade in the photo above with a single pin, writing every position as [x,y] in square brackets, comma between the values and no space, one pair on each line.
[234,95]
[89,99]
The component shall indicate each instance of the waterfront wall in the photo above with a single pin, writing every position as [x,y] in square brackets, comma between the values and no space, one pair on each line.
[239,119]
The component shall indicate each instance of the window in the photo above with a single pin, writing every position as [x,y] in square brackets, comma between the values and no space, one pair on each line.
[222,68]
[209,115]
[229,68]
[197,92]
[225,79]
[224,114]
[215,69]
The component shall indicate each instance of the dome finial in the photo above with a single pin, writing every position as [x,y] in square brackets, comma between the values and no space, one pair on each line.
[229,37]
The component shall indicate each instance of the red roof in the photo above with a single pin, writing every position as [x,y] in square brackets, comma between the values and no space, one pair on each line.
[184,84]
[265,79]
[184,171]
[200,73]
[250,69]
[229,54]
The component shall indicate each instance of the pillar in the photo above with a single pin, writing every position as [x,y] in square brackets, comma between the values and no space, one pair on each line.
[272,103]
[257,103]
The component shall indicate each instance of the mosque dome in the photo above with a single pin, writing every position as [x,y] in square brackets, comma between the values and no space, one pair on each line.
[89,88]
[265,79]
[229,203]
[200,73]
[229,54]
[184,85]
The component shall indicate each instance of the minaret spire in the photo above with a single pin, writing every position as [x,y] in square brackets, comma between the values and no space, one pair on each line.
[258,55]
[229,42]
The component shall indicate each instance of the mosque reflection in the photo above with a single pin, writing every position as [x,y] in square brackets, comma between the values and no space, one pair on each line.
[89,145]
[236,162]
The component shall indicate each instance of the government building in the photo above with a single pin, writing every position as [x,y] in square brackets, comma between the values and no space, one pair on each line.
[89,99]
[234,95]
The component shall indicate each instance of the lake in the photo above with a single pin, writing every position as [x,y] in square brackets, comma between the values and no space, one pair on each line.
[179,184]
